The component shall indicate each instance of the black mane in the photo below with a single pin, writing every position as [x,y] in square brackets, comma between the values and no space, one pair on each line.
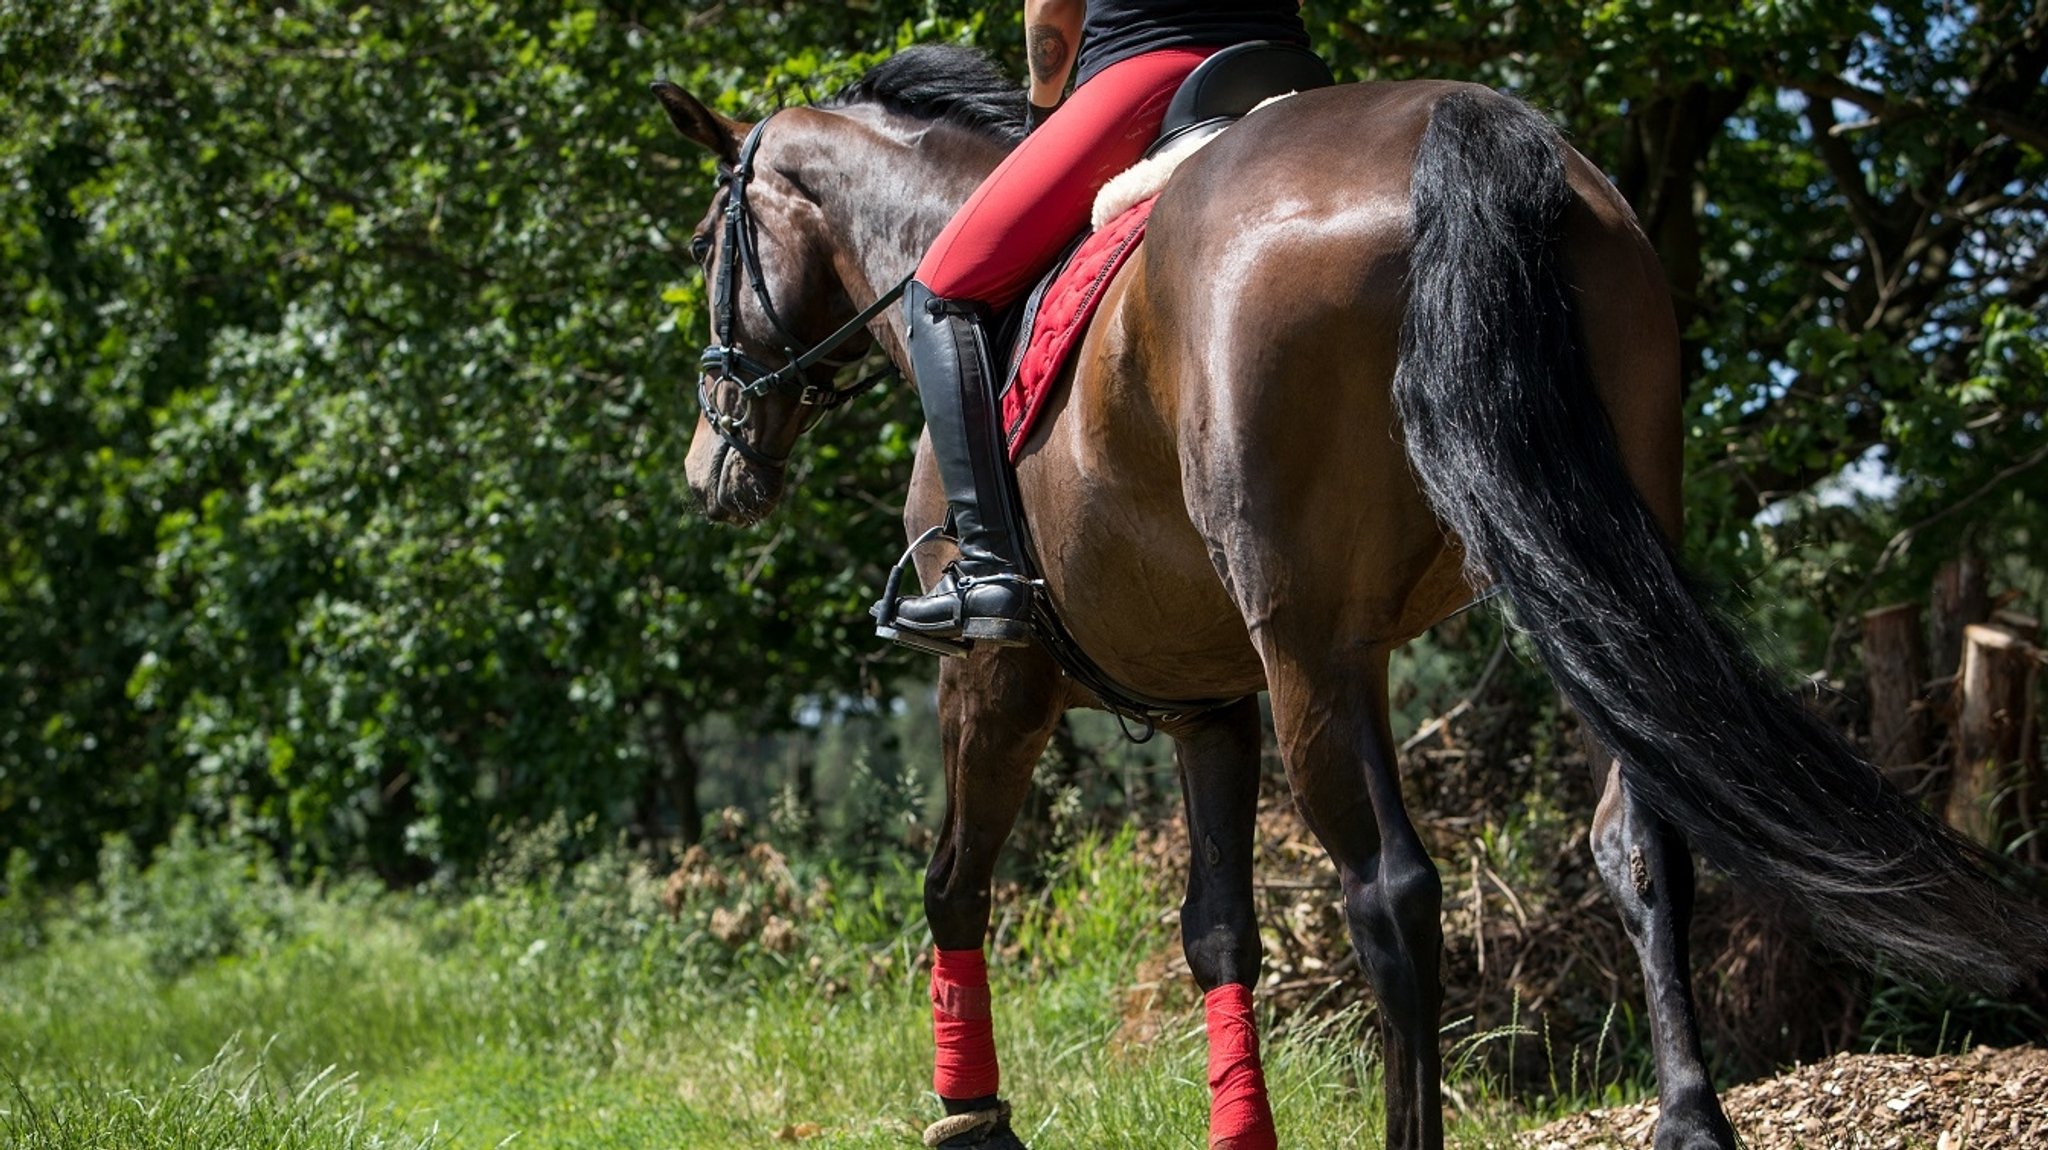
[946,82]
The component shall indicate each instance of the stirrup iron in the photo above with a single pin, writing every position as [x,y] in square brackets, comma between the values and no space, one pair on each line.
[884,611]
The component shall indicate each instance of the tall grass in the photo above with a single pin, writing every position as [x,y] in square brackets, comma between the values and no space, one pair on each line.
[563,1006]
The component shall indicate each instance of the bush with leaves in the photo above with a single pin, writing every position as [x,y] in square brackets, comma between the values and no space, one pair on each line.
[197,898]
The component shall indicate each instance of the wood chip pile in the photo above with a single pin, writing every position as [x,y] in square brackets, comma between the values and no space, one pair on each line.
[1984,1100]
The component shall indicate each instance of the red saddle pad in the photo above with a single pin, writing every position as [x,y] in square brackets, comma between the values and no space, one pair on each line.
[1069,303]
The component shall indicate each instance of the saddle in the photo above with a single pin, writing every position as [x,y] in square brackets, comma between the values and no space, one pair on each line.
[1044,331]
[1232,82]
[1041,334]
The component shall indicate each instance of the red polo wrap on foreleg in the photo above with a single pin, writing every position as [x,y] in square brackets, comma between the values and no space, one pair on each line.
[1240,1117]
[965,1064]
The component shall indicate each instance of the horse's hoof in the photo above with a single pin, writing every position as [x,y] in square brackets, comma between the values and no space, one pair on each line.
[981,1129]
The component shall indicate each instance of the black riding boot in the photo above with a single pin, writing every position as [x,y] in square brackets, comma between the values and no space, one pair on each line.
[982,596]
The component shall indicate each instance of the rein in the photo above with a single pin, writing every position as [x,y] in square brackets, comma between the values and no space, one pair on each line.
[723,361]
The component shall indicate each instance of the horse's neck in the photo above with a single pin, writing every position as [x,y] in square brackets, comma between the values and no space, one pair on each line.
[887,203]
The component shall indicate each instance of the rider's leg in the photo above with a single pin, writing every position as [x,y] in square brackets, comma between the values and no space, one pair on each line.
[981,597]
[1005,236]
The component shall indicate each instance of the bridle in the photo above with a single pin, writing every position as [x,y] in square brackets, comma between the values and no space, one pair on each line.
[724,362]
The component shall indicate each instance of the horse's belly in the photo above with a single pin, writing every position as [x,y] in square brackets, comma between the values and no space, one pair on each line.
[1152,612]
[1129,575]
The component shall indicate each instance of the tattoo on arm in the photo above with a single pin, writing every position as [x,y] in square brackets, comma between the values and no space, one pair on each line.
[1048,53]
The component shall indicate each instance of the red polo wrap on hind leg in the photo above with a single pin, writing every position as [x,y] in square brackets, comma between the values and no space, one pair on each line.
[1240,1117]
[965,1064]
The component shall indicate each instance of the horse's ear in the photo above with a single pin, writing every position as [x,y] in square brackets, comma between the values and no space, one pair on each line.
[699,123]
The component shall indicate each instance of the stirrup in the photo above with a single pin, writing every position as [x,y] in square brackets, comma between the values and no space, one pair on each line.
[884,611]
[982,1122]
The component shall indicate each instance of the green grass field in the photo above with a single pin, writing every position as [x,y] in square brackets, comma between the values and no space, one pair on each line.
[203,1004]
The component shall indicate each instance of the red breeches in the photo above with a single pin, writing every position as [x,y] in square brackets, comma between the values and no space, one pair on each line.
[1015,224]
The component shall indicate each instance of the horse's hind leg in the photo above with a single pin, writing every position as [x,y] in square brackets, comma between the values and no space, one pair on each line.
[1648,869]
[996,711]
[1218,755]
[1331,715]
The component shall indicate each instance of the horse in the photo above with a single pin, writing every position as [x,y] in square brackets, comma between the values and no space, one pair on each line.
[1384,344]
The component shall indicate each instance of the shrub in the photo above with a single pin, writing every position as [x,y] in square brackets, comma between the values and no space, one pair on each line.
[198,898]
[21,907]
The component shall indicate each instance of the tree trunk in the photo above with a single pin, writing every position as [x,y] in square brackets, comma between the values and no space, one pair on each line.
[1894,661]
[1989,797]
[804,780]
[1959,599]
[680,777]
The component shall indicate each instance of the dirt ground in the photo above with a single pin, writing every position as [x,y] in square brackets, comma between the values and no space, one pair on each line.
[1984,1100]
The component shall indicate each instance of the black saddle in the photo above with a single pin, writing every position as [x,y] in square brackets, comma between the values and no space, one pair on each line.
[1232,82]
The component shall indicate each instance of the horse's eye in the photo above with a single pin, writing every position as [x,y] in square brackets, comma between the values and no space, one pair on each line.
[700,248]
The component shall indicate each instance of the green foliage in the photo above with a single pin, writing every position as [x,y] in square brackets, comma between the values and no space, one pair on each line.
[22,907]
[197,900]
[885,811]
[344,423]
[548,1002]
[1097,908]
[347,355]
[233,1100]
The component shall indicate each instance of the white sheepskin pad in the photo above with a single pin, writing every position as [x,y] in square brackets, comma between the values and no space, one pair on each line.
[1148,176]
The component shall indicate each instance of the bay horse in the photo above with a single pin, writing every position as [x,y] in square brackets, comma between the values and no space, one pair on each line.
[1384,343]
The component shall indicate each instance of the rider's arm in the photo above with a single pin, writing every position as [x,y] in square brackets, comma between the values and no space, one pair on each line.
[1052,34]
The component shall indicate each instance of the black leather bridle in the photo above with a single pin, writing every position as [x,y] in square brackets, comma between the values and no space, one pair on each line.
[724,362]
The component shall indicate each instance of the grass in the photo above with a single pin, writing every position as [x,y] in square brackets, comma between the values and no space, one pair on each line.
[572,1012]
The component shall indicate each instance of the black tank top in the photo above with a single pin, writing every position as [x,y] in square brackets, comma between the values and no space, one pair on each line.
[1117,30]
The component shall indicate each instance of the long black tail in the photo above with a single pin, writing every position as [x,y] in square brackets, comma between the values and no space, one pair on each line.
[1516,455]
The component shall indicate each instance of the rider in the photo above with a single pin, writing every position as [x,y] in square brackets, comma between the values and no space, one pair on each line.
[1133,56]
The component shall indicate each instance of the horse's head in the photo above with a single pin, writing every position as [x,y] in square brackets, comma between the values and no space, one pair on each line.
[777,307]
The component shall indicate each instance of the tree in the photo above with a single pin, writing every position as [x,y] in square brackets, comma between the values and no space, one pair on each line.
[1848,202]
[352,382]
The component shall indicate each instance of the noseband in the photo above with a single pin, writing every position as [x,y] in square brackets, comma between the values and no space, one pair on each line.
[724,362]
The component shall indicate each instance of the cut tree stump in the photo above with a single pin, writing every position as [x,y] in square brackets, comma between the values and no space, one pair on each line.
[1894,662]
[1995,788]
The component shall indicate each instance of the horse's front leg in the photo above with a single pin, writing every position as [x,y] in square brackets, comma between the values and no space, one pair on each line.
[1218,756]
[997,708]
[1648,871]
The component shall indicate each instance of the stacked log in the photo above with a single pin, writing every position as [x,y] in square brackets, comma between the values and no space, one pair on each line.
[1995,788]
[1975,672]
[1961,597]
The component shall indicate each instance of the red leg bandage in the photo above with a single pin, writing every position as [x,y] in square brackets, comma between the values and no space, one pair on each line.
[1240,1117]
[964,1065]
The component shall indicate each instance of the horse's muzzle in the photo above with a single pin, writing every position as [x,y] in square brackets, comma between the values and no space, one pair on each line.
[729,488]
